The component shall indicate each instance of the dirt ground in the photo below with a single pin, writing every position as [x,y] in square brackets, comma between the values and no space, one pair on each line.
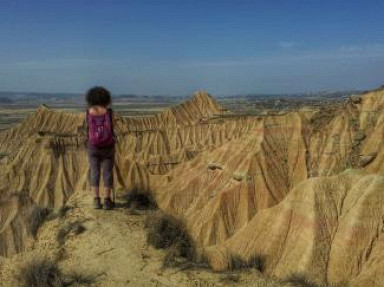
[113,251]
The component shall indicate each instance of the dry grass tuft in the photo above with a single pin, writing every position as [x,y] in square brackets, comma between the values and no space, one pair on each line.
[255,262]
[140,200]
[47,273]
[75,228]
[300,280]
[230,278]
[41,273]
[37,216]
[79,279]
[167,232]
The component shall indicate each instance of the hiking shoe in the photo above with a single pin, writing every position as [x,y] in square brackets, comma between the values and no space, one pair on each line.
[108,203]
[97,203]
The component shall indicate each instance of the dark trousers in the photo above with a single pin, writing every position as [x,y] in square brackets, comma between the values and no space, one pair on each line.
[101,158]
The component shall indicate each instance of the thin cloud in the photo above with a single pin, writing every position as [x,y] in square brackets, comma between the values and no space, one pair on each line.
[363,49]
[340,53]
[52,64]
[287,45]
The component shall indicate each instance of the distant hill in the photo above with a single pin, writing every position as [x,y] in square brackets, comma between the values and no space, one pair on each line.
[4,100]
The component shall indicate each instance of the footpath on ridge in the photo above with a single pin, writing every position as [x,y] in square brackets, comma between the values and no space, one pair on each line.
[112,250]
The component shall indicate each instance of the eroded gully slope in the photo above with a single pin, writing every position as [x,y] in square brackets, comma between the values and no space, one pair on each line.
[219,174]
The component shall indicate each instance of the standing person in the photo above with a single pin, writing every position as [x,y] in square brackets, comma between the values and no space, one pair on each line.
[101,143]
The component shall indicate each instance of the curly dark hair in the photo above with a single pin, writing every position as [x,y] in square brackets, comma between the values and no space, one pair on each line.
[98,96]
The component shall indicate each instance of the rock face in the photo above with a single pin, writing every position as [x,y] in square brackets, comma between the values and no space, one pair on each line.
[302,189]
[331,228]
[16,224]
[48,156]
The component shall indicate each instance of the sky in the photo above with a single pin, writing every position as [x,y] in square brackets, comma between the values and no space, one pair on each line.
[174,47]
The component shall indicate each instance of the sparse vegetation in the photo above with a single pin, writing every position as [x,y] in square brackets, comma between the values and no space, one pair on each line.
[255,262]
[167,232]
[58,213]
[55,134]
[62,211]
[352,161]
[136,199]
[300,280]
[173,258]
[3,154]
[354,123]
[75,228]
[37,216]
[230,278]
[360,136]
[41,273]
[323,117]
[76,278]
[47,273]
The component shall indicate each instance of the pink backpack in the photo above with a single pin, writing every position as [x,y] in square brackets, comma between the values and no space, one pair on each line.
[100,129]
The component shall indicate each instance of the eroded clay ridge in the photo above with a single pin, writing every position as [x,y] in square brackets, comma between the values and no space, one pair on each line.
[47,154]
[329,229]
[255,196]
[47,158]
[219,173]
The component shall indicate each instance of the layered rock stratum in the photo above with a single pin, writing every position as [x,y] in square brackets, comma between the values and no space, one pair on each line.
[303,189]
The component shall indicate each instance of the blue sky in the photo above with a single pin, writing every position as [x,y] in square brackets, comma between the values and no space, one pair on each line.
[176,47]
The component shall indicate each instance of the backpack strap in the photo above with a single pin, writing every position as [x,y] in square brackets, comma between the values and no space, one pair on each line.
[110,112]
[86,115]
[87,120]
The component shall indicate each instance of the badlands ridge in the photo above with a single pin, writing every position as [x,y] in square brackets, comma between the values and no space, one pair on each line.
[302,189]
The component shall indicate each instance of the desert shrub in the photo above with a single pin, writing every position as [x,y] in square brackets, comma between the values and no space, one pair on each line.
[41,273]
[322,118]
[62,211]
[173,258]
[3,154]
[140,200]
[300,280]
[54,134]
[360,136]
[167,232]
[58,213]
[75,228]
[238,263]
[340,284]
[37,216]
[46,273]
[230,278]
[354,123]
[76,278]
